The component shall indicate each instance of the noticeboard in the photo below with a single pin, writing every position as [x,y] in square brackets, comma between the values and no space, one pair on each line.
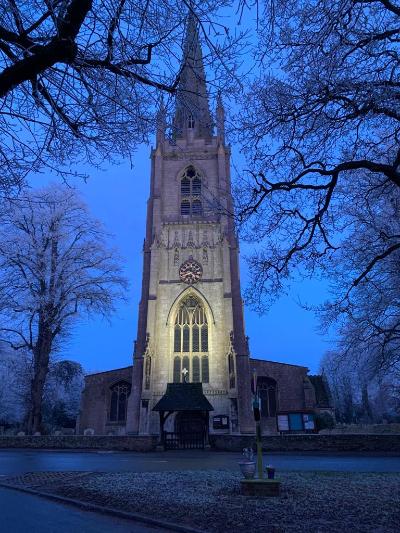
[308,420]
[221,422]
[283,423]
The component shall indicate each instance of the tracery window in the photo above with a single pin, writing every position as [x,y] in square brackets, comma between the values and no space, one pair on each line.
[119,401]
[191,203]
[267,390]
[191,342]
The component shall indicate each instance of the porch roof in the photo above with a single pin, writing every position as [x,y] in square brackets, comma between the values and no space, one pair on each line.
[183,397]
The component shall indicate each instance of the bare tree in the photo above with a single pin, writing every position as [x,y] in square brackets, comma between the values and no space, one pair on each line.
[15,375]
[62,394]
[365,309]
[361,394]
[79,78]
[322,131]
[55,266]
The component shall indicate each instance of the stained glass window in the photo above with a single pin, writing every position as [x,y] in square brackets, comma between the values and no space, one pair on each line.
[190,338]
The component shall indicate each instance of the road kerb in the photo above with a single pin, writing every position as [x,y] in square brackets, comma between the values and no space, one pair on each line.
[170,526]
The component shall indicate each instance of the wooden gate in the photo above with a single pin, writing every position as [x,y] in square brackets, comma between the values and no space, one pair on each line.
[184,440]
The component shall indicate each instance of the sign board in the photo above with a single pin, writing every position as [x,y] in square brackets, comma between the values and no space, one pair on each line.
[283,423]
[221,422]
[308,421]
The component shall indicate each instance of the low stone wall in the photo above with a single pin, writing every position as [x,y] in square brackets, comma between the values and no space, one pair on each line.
[232,443]
[67,442]
[307,443]
[365,429]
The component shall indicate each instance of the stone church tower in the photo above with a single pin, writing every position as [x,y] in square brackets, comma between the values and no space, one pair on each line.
[190,333]
[190,325]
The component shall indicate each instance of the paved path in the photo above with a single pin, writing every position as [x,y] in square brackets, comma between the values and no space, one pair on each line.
[16,461]
[22,513]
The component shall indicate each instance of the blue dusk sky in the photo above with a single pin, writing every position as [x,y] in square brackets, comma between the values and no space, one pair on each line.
[117,195]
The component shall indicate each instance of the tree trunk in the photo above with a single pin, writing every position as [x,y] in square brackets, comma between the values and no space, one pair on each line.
[365,403]
[41,367]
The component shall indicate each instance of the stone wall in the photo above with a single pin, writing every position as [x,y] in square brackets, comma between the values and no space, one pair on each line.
[363,428]
[286,443]
[96,442]
[324,443]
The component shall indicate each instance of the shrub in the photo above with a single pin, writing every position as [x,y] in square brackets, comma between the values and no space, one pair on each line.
[324,421]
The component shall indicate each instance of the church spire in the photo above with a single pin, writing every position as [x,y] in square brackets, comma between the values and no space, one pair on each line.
[161,124]
[220,115]
[192,112]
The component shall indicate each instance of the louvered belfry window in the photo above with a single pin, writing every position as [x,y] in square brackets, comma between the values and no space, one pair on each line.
[191,342]
[191,203]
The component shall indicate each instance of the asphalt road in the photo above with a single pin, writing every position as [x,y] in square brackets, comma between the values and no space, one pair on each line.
[22,513]
[16,461]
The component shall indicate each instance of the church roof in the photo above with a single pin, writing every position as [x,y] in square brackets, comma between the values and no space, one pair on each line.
[257,360]
[192,98]
[183,397]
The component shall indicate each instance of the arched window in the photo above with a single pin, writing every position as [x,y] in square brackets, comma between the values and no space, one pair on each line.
[185,207]
[267,390]
[196,185]
[191,341]
[177,369]
[118,401]
[196,369]
[190,122]
[204,369]
[185,186]
[191,203]
[185,368]
[197,208]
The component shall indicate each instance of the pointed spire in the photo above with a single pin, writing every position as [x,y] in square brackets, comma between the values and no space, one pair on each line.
[192,110]
[161,123]
[220,115]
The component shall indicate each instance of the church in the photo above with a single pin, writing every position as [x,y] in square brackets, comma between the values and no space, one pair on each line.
[192,372]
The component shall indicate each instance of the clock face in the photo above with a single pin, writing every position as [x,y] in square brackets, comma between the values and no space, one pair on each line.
[190,271]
